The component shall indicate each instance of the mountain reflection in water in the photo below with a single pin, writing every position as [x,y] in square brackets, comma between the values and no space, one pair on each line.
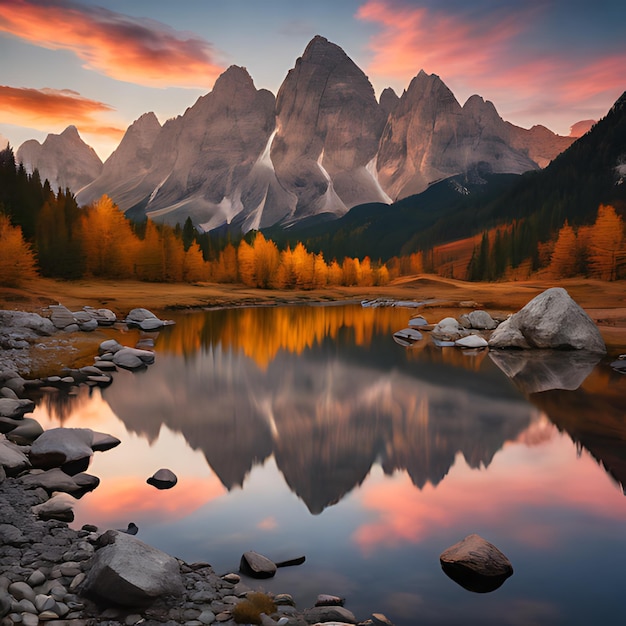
[327,414]
[398,453]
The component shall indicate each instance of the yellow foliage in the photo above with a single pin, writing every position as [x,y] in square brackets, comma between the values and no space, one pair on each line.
[17,261]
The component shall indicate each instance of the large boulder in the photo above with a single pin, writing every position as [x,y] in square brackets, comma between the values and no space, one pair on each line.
[63,447]
[126,571]
[479,320]
[551,320]
[476,564]
[15,409]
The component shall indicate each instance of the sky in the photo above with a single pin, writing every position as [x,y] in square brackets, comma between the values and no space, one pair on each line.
[101,64]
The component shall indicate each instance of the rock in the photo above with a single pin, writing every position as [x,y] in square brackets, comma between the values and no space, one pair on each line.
[328,614]
[12,459]
[5,603]
[101,442]
[163,479]
[479,320]
[151,324]
[110,345]
[407,336]
[133,358]
[417,321]
[448,329]
[104,317]
[7,392]
[256,565]
[381,620]
[61,316]
[551,320]
[27,430]
[476,564]
[56,480]
[58,446]
[127,571]
[131,529]
[137,316]
[15,409]
[59,507]
[11,535]
[324,599]
[28,325]
[471,341]
[88,326]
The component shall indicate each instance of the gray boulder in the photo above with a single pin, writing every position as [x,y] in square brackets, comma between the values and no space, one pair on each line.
[476,564]
[256,565]
[133,358]
[36,324]
[448,329]
[104,317]
[57,480]
[15,409]
[58,446]
[136,316]
[61,316]
[324,614]
[479,320]
[26,431]
[110,345]
[12,459]
[129,572]
[471,341]
[59,507]
[551,320]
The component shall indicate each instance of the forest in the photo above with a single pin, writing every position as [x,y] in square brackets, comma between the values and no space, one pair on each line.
[47,233]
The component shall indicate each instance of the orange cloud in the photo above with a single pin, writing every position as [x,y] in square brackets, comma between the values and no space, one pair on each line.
[141,51]
[51,108]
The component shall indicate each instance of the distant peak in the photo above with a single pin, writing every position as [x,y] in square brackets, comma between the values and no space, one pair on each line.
[70,131]
[147,119]
[235,74]
[320,47]
[580,128]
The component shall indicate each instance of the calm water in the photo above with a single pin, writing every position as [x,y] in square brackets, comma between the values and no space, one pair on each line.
[309,431]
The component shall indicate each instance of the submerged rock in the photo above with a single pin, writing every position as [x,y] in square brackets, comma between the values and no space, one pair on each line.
[476,564]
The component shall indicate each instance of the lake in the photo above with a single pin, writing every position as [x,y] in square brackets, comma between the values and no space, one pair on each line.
[306,430]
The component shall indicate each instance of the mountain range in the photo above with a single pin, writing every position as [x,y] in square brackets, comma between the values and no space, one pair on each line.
[324,144]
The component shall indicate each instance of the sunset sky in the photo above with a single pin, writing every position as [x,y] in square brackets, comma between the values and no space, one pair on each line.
[100,64]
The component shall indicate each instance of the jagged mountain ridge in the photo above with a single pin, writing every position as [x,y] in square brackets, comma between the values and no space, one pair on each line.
[240,156]
[65,159]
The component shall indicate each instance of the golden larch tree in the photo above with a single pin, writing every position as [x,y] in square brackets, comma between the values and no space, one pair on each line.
[17,261]
[605,243]
[563,262]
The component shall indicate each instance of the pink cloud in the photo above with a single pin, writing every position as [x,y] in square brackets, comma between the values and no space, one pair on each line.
[141,51]
[518,481]
[491,56]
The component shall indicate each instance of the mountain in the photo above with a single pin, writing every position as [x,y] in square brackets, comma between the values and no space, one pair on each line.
[592,171]
[241,157]
[328,128]
[65,160]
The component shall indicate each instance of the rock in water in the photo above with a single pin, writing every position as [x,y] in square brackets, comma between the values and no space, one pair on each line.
[129,572]
[476,564]
[163,479]
[551,320]
[256,565]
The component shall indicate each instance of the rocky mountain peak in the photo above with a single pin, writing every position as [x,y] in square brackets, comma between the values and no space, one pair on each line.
[65,159]
[388,100]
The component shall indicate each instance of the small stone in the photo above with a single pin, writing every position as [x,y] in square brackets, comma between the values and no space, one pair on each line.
[327,600]
[471,341]
[223,617]
[381,620]
[48,615]
[77,580]
[163,479]
[44,602]
[26,606]
[21,590]
[206,617]
[232,578]
[36,578]
[284,599]
[256,565]
[132,619]
[29,619]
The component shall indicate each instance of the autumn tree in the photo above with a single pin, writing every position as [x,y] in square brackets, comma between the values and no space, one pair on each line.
[606,239]
[17,261]
[563,262]
[266,261]
[320,271]
[245,262]
[109,242]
